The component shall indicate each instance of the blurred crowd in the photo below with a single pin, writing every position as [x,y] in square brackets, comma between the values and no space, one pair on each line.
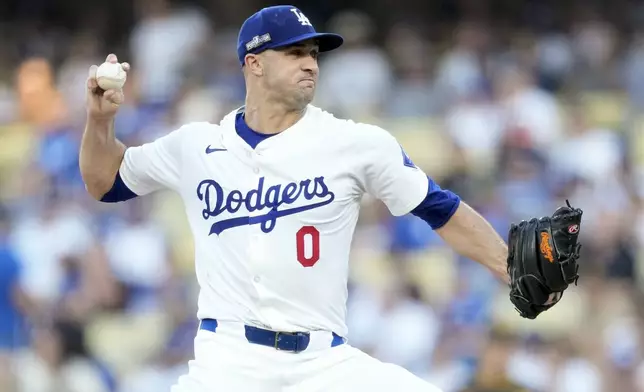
[514,117]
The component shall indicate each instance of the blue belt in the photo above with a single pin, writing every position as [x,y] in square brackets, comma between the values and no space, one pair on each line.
[284,341]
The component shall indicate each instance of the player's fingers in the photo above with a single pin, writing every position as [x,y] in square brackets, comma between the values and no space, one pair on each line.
[125,66]
[92,71]
[553,298]
[92,83]
[107,95]
[111,58]
[114,96]
[118,98]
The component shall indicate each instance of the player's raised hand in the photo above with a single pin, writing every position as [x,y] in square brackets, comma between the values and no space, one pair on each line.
[103,103]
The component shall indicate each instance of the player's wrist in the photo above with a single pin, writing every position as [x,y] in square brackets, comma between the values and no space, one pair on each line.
[100,127]
[94,119]
[504,276]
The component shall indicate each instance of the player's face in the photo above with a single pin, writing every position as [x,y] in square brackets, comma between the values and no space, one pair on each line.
[291,73]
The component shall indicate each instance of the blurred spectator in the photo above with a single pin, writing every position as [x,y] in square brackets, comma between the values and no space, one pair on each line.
[171,361]
[633,66]
[357,79]
[72,74]
[13,300]
[43,237]
[554,60]
[531,115]
[531,366]
[413,93]
[164,38]
[522,183]
[40,102]
[138,256]
[461,70]
[492,375]
[59,361]
[570,158]
[576,372]
[476,126]
[13,305]
[403,314]
[595,42]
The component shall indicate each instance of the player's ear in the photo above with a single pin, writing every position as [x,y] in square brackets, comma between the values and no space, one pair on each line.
[254,64]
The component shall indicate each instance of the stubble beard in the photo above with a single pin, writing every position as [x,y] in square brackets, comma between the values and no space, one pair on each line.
[302,98]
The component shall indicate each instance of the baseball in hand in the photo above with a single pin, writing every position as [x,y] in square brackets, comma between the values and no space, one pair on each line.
[110,76]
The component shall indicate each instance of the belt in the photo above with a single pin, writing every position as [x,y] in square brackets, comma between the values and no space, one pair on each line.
[283,341]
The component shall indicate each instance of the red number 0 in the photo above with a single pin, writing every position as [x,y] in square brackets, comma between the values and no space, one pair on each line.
[300,239]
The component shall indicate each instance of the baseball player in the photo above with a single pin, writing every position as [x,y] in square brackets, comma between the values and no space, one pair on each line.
[272,195]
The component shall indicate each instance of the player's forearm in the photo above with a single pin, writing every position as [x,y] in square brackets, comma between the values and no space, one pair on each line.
[100,156]
[470,235]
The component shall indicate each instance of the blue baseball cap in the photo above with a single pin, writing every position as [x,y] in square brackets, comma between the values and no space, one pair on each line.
[279,26]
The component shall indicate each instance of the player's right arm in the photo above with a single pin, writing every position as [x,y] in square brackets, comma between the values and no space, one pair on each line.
[101,153]
[113,172]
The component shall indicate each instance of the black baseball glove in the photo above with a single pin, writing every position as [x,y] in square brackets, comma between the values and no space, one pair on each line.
[542,260]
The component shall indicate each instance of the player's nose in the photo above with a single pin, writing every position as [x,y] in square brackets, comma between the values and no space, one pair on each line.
[310,64]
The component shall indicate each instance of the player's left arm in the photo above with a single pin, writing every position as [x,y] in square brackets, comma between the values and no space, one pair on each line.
[392,177]
[472,236]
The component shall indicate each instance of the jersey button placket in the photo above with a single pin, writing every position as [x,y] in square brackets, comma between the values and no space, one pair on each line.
[255,241]
[257,254]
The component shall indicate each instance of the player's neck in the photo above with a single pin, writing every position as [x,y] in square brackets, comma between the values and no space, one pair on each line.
[270,119]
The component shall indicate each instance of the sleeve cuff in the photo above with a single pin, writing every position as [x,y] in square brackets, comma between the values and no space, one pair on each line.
[119,191]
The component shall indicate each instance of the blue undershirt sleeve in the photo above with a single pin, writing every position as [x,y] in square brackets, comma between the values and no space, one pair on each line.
[438,206]
[119,192]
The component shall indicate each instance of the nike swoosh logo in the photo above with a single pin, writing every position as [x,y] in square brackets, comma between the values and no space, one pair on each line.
[210,150]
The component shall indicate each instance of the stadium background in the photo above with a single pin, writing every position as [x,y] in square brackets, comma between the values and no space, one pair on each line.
[515,105]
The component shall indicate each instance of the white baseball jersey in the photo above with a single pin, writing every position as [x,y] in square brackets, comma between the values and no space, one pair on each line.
[273,225]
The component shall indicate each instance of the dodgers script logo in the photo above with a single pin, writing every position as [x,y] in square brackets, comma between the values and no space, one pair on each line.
[275,200]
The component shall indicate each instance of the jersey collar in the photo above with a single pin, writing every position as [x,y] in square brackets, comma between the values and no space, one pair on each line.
[280,142]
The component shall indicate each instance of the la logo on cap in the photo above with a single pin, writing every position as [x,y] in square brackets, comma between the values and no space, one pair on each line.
[304,21]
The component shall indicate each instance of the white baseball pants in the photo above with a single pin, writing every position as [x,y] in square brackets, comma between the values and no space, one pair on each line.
[226,362]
